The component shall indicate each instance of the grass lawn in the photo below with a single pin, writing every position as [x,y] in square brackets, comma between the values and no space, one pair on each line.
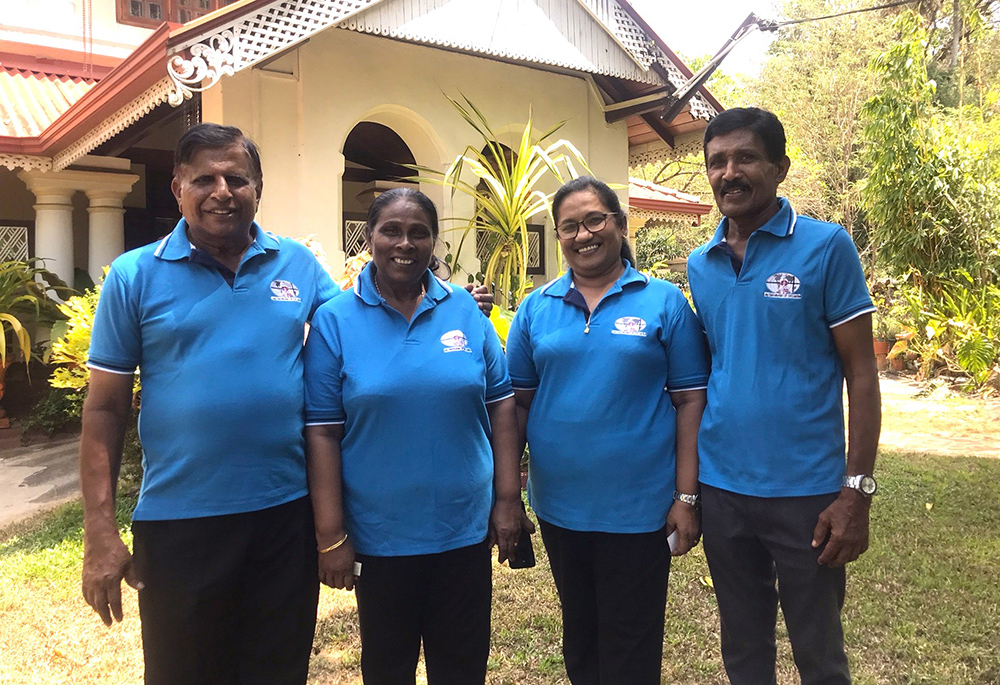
[923,605]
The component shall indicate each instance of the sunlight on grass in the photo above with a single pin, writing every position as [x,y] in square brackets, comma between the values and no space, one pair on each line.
[923,605]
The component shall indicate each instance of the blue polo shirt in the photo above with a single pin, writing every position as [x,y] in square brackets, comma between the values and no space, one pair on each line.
[221,365]
[601,428]
[774,425]
[416,457]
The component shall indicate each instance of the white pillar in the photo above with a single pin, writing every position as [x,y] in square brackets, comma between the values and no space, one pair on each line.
[54,231]
[107,230]
[54,213]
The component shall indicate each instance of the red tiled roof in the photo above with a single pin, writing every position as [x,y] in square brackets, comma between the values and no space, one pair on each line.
[31,100]
[648,195]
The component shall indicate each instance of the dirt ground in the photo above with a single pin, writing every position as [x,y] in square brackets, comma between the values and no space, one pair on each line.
[922,418]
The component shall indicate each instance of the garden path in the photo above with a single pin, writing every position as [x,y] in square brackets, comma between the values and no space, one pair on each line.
[37,477]
[934,423]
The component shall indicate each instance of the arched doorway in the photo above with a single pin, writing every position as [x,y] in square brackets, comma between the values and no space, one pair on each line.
[375,159]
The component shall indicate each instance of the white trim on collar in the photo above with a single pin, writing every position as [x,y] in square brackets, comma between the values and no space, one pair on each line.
[163,244]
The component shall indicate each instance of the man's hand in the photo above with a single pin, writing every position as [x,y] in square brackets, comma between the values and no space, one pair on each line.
[336,567]
[844,527]
[505,526]
[684,519]
[483,297]
[106,562]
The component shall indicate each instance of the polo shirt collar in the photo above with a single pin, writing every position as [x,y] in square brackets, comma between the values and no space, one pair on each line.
[782,225]
[562,285]
[364,287]
[176,245]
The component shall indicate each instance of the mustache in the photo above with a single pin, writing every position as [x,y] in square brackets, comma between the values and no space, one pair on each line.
[733,185]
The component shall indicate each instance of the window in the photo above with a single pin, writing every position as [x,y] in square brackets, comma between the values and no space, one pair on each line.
[153,12]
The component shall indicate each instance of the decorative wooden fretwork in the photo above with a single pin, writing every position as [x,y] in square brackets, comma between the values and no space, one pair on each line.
[114,124]
[13,243]
[198,65]
[26,162]
[354,238]
[660,154]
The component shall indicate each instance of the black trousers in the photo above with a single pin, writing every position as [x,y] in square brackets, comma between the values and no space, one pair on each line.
[750,542]
[444,598]
[228,600]
[613,591]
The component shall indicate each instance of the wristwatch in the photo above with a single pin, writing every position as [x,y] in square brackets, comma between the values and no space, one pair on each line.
[693,500]
[866,485]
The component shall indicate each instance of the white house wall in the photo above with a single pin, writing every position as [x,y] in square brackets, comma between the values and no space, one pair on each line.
[343,78]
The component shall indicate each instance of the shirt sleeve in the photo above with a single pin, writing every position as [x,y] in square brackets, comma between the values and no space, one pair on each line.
[324,364]
[116,339]
[520,355]
[497,378]
[688,362]
[845,292]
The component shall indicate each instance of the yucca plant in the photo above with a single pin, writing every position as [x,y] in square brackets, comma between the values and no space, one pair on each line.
[505,194]
[25,301]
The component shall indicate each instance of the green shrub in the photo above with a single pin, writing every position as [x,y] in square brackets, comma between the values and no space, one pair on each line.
[72,376]
[58,409]
[960,328]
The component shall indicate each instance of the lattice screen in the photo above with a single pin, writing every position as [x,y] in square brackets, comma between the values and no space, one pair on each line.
[536,263]
[282,23]
[354,238]
[13,243]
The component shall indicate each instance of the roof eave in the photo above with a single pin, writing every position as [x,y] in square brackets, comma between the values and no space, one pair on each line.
[678,62]
[140,70]
[696,208]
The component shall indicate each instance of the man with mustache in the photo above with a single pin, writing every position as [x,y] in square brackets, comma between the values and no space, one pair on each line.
[786,309]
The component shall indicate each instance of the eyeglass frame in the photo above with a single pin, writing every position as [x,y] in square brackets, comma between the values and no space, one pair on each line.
[578,224]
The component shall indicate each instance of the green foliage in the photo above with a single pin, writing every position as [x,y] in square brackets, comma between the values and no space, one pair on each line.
[26,303]
[506,195]
[960,327]
[660,242]
[815,81]
[72,348]
[71,378]
[931,185]
[57,410]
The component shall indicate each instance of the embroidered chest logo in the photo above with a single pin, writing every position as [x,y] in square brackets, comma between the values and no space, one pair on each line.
[455,341]
[783,286]
[284,291]
[630,325]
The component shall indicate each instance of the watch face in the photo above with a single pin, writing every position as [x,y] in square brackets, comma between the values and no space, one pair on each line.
[868,485]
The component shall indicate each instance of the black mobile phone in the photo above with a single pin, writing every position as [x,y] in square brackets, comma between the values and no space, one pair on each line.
[524,553]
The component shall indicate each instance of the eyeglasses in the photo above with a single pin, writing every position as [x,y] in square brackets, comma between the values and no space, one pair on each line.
[595,223]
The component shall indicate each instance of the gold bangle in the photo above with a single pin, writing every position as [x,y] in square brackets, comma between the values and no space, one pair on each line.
[334,545]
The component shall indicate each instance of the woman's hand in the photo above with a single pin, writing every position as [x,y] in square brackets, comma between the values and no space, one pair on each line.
[505,526]
[684,519]
[336,567]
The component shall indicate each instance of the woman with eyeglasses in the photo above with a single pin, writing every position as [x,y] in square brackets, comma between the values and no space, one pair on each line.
[609,369]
